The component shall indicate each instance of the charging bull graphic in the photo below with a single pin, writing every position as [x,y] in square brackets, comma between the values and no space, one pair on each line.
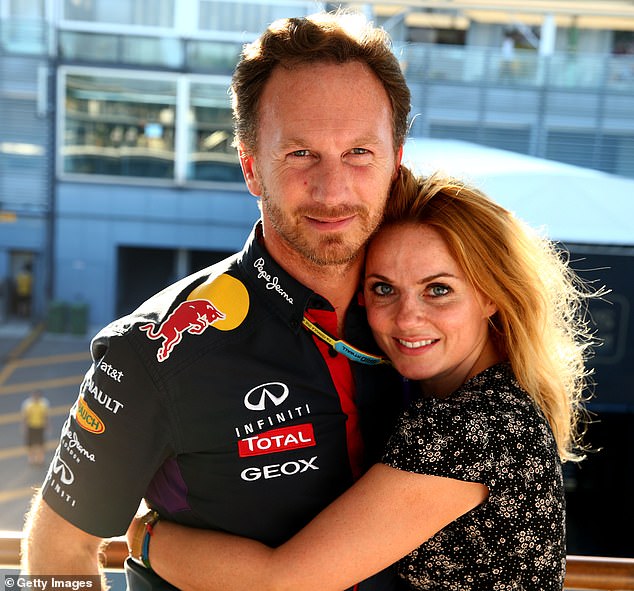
[192,316]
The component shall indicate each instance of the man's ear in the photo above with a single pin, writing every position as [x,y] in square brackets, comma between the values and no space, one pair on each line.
[247,163]
[399,159]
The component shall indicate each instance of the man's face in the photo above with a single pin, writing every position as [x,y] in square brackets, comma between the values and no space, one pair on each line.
[324,161]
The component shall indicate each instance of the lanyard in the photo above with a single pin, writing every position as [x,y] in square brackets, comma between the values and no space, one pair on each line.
[346,349]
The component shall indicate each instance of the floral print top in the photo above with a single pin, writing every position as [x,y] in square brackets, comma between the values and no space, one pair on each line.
[488,431]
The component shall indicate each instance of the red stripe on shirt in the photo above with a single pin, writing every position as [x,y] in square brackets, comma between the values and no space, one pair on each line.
[341,374]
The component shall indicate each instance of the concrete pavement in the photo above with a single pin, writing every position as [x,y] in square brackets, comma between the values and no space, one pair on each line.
[33,359]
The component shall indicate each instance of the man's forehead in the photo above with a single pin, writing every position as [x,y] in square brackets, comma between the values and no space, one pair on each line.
[306,135]
[323,77]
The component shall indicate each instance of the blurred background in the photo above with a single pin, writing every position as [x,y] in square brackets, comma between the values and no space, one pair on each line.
[117,176]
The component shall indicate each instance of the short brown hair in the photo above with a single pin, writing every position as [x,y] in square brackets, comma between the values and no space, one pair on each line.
[338,37]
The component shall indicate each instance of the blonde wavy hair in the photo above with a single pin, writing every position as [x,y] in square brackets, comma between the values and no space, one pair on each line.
[541,325]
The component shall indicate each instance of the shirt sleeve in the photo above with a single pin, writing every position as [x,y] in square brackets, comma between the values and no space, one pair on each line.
[444,438]
[114,440]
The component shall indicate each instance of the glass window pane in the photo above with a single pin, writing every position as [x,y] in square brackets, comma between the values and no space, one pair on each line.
[212,156]
[213,57]
[575,70]
[26,9]
[149,13]
[88,46]
[239,15]
[24,28]
[152,51]
[119,126]
[121,49]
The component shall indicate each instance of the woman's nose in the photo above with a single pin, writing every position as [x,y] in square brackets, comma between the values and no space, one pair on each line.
[410,312]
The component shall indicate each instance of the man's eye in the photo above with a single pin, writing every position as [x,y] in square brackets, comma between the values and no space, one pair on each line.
[359,151]
[300,153]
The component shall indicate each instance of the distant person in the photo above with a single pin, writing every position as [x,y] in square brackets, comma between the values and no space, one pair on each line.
[508,65]
[24,291]
[35,410]
[482,316]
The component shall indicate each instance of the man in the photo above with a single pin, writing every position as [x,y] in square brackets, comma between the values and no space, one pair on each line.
[220,400]
[35,419]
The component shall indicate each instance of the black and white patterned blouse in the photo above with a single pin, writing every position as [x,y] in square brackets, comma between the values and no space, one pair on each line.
[488,431]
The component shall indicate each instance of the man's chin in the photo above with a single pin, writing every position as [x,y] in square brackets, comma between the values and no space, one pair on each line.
[329,255]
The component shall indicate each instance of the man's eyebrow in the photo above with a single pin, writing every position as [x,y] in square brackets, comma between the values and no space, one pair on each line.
[367,139]
[298,142]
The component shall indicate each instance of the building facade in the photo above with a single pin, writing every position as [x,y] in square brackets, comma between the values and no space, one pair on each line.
[117,172]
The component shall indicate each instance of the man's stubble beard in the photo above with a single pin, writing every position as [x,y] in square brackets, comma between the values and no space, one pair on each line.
[330,250]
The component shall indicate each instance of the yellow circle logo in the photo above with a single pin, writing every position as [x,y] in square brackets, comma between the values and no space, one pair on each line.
[87,419]
[229,296]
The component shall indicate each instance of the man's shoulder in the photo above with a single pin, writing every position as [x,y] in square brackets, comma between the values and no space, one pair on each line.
[215,296]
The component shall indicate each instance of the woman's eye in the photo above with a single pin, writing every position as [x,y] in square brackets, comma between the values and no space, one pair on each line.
[439,290]
[382,289]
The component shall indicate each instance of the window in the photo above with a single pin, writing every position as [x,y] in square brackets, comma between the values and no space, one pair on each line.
[147,125]
[149,13]
[243,15]
[212,156]
[23,27]
[119,126]
[212,57]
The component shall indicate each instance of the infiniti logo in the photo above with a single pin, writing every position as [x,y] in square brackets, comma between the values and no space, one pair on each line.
[275,392]
[60,467]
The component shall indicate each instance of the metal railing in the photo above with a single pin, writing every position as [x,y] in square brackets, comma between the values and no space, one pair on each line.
[583,572]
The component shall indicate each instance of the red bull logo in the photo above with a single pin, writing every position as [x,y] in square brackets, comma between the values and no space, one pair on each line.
[192,316]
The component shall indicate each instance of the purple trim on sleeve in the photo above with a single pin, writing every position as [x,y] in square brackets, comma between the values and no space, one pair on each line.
[168,489]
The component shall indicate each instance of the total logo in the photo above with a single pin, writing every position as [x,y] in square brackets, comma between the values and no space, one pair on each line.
[277,440]
[279,470]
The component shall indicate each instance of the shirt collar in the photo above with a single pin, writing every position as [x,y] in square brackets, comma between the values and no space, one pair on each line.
[283,294]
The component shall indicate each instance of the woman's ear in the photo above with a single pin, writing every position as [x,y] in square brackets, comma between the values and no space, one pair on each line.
[490,307]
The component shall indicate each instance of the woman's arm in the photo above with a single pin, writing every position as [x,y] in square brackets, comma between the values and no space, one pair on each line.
[383,517]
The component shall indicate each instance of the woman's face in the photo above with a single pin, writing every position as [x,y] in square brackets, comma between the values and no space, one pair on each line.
[424,313]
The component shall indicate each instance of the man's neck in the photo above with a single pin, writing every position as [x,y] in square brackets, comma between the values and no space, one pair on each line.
[337,283]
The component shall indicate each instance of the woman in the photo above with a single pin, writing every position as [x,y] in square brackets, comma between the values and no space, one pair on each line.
[483,317]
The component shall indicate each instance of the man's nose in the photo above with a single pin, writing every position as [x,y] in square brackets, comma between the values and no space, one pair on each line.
[330,181]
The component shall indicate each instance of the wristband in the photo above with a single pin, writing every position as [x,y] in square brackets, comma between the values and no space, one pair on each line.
[140,548]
